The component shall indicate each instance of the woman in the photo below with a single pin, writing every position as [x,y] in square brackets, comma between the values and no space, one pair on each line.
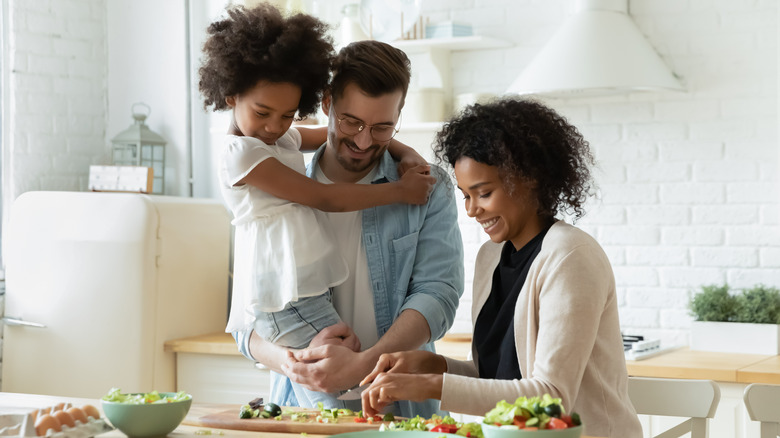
[544,306]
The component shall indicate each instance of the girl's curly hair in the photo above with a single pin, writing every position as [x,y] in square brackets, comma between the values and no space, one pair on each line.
[524,139]
[251,45]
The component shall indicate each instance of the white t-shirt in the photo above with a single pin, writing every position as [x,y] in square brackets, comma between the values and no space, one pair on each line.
[354,298]
[283,251]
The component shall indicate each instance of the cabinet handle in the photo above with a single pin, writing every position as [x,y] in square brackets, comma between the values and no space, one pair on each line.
[11,321]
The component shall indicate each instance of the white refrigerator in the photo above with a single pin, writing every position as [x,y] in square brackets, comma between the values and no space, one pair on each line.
[96,283]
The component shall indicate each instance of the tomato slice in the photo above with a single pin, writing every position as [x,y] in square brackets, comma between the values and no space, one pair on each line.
[567,419]
[557,423]
[360,420]
[445,428]
[519,421]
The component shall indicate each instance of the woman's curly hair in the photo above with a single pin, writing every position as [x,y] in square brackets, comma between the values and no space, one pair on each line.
[524,139]
[251,45]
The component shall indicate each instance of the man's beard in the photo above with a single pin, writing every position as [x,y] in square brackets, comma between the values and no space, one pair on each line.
[355,165]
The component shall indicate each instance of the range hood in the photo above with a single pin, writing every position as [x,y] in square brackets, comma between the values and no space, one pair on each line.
[598,51]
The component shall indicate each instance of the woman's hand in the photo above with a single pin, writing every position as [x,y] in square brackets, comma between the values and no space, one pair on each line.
[417,184]
[408,362]
[337,334]
[388,388]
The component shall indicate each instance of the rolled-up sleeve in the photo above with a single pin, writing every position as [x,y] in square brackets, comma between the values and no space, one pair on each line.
[242,341]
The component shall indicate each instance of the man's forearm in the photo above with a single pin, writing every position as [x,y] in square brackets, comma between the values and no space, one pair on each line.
[408,332]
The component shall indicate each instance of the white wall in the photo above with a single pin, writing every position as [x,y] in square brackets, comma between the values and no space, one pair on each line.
[147,62]
[54,119]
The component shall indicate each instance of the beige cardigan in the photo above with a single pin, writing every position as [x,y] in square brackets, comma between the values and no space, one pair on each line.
[567,337]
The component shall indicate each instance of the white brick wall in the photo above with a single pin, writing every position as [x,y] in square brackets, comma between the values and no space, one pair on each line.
[688,181]
[57,97]
[55,118]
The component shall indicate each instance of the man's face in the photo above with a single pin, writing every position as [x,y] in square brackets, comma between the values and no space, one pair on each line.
[357,154]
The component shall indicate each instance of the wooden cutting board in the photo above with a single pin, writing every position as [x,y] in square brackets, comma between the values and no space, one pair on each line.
[228,419]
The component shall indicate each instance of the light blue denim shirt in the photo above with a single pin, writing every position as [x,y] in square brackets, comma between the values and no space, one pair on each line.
[415,261]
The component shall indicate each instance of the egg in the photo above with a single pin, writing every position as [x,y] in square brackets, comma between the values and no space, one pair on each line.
[61,406]
[65,418]
[77,414]
[34,414]
[46,422]
[91,411]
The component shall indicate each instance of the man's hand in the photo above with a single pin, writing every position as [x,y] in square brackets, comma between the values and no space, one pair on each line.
[337,334]
[388,388]
[328,368]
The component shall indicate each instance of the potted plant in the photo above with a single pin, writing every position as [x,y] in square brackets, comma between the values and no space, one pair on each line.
[736,322]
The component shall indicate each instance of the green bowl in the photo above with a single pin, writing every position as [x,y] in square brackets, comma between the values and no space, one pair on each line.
[146,420]
[493,431]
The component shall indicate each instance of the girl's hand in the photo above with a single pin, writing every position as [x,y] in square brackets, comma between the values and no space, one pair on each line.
[388,388]
[409,160]
[407,362]
[417,184]
[337,334]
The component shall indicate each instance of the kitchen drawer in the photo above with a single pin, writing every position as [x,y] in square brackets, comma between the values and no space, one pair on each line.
[213,378]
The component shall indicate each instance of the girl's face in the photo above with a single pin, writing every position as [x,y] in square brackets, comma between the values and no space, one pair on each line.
[265,111]
[503,215]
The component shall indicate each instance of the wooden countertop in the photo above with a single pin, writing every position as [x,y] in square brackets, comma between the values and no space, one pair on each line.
[682,363]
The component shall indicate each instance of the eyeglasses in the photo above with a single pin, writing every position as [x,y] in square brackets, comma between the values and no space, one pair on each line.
[352,126]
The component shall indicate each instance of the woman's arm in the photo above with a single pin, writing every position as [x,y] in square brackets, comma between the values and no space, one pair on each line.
[273,177]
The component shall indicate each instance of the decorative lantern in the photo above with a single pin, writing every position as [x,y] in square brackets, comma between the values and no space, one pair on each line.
[140,146]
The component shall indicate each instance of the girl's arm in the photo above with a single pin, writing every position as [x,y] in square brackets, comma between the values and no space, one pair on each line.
[312,138]
[407,157]
[275,178]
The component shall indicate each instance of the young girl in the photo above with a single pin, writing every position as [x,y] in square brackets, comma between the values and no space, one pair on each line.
[266,68]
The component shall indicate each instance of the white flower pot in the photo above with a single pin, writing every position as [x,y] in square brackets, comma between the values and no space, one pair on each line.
[735,337]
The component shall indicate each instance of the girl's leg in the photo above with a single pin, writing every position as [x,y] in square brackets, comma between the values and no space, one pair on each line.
[294,327]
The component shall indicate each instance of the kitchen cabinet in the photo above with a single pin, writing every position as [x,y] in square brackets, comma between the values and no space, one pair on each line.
[212,370]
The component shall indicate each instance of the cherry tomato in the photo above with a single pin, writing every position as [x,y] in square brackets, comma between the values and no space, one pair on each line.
[557,423]
[567,419]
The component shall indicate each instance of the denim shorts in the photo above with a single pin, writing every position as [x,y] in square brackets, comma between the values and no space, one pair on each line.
[296,324]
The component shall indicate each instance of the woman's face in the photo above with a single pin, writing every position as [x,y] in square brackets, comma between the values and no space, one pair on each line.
[265,111]
[504,216]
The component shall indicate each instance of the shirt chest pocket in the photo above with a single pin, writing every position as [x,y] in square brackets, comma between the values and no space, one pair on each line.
[404,251]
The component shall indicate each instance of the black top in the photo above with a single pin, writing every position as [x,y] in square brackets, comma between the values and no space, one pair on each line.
[494,335]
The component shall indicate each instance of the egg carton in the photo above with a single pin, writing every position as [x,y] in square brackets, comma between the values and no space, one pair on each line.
[20,423]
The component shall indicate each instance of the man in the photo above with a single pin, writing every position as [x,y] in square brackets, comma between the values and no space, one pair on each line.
[406,261]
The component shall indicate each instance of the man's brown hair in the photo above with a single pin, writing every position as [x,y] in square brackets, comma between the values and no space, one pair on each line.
[375,67]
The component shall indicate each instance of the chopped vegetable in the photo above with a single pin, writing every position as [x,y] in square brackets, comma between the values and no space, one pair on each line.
[273,409]
[531,413]
[115,395]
